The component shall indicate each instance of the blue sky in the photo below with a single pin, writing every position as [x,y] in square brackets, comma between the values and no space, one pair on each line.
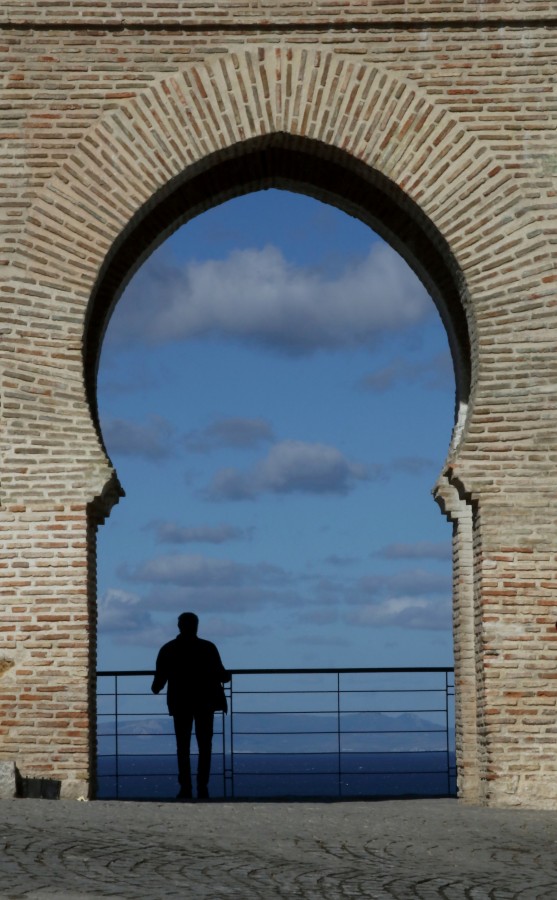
[277,396]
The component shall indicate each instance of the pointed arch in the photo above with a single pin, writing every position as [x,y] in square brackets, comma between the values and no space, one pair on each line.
[316,121]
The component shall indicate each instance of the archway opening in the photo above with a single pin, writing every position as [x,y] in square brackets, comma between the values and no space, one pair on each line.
[270,434]
[285,461]
[305,166]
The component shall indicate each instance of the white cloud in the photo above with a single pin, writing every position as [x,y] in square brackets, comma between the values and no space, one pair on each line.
[172,533]
[217,627]
[235,432]
[417,550]
[223,598]
[407,600]
[204,584]
[291,467]
[311,639]
[414,582]
[119,610]
[320,616]
[314,468]
[196,571]
[435,373]
[152,441]
[335,560]
[258,296]
[408,612]
[123,613]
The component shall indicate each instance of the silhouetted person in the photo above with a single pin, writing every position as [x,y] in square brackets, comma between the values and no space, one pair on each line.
[195,674]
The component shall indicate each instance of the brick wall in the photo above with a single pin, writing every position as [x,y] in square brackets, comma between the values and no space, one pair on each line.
[434,122]
[292,13]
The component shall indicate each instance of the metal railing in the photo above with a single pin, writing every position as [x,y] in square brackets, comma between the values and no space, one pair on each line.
[289,732]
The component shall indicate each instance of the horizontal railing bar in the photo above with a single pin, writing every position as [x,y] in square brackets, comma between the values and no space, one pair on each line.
[342,773]
[320,712]
[371,671]
[354,670]
[299,774]
[139,756]
[335,752]
[294,692]
[342,733]
[241,753]
[332,692]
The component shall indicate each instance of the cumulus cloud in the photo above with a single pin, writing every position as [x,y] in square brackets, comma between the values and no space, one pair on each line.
[414,582]
[118,610]
[123,613]
[335,560]
[403,612]
[152,440]
[433,373]
[256,295]
[234,432]
[220,598]
[218,627]
[314,639]
[291,467]
[194,570]
[417,550]
[172,533]
[320,616]
[411,599]
[180,581]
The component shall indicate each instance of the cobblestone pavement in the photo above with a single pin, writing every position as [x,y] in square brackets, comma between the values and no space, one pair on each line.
[258,851]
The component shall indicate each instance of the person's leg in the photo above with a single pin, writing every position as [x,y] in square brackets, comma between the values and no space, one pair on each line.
[204,737]
[182,729]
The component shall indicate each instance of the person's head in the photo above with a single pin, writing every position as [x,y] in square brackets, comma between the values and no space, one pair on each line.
[188,623]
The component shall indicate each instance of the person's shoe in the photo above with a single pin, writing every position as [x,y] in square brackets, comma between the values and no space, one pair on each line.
[183,794]
[202,793]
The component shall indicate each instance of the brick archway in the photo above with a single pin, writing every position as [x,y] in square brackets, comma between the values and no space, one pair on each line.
[434,181]
[386,153]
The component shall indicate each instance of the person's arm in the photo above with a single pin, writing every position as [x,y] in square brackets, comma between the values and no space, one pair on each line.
[223,674]
[217,670]
[161,673]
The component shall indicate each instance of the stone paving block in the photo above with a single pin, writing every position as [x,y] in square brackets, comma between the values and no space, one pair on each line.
[8,780]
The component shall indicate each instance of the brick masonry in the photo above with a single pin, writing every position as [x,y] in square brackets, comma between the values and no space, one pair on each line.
[435,122]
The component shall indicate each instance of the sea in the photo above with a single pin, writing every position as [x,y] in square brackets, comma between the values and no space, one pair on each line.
[267,776]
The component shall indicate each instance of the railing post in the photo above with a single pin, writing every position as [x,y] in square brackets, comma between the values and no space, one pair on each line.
[339,766]
[447,733]
[116,748]
[232,736]
[223,744]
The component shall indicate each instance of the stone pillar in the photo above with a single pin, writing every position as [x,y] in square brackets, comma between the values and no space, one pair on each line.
[47,644]
[505,640]
[468,670]
[516,638]
[56,484]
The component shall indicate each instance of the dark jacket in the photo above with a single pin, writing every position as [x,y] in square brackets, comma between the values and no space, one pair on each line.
[194,672]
